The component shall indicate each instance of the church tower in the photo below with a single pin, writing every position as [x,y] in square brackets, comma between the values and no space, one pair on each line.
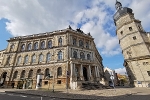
[135,45]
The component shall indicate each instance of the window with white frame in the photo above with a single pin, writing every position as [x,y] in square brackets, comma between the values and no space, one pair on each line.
[40,57]
[42,44]
[29,46]
[35,45]
[48,58]
[34,58]
[26,59]
[50,44]
[60,55]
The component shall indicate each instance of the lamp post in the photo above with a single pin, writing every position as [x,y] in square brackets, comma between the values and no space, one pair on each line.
[49,81]
[53,74]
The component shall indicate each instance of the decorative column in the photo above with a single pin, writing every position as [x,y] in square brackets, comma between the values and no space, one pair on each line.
[74,73]
[71,68]
[89,72]
[95,73]
[98,72]
[81,72]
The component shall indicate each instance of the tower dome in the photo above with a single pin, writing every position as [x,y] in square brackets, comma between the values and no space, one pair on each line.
[118,5]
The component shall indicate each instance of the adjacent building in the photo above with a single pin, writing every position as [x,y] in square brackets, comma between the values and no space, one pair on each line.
[62,58]
[135,44]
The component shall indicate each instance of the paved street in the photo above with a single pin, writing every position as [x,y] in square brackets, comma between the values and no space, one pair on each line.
[105,94]
[12,96]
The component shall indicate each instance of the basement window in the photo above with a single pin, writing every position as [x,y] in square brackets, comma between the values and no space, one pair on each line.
[145,63]
[134,38]
[148,72]
[46,83]
[59,82]
[130,28]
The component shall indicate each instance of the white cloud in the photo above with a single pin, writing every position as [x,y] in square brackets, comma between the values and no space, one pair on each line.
[36,16]
[121,71]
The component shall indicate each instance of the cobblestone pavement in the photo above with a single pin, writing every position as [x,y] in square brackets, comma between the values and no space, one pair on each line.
[105,94]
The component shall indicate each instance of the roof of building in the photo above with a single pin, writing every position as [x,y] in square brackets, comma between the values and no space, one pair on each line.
[51,33]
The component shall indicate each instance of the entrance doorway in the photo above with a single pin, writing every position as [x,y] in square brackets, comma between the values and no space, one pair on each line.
[85,73]
[3,78]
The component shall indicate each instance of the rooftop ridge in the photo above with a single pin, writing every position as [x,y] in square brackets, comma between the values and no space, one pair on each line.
[48,33]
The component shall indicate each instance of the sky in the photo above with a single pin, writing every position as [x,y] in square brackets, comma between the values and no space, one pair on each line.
[24,17]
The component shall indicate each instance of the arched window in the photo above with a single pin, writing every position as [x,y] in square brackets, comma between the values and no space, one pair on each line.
[50,44]
[87,45]
[74,41]
[60,55]
[26,59]
[88,57]
[35,45]
[40,57]
[81,43]
[60,41]
[30,74]
[47,72]
[12,47]
[34,58]
[19,60]
[15,75]
[38,71]
[59,71]
[42,44]
[22,74]
[82,55]
[74,54]
[48,57]
[29,46]
[23,47]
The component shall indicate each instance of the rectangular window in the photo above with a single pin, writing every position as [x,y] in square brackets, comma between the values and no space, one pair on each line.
[148,72]
[145,63]
[46,83]
[58,81]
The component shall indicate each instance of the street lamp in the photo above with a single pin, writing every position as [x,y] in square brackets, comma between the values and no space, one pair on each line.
[49,80]
[53,74]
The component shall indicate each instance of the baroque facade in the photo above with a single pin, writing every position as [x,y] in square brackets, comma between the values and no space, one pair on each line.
[63,58]
[135,44]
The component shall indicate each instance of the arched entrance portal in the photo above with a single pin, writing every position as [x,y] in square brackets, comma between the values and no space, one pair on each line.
[3,78]
[85,74]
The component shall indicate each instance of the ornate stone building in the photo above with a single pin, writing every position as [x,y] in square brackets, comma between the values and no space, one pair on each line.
[135,44]
[54,55]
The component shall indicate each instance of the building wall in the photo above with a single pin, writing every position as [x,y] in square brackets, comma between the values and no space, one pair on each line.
[134,42]
[14,59]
